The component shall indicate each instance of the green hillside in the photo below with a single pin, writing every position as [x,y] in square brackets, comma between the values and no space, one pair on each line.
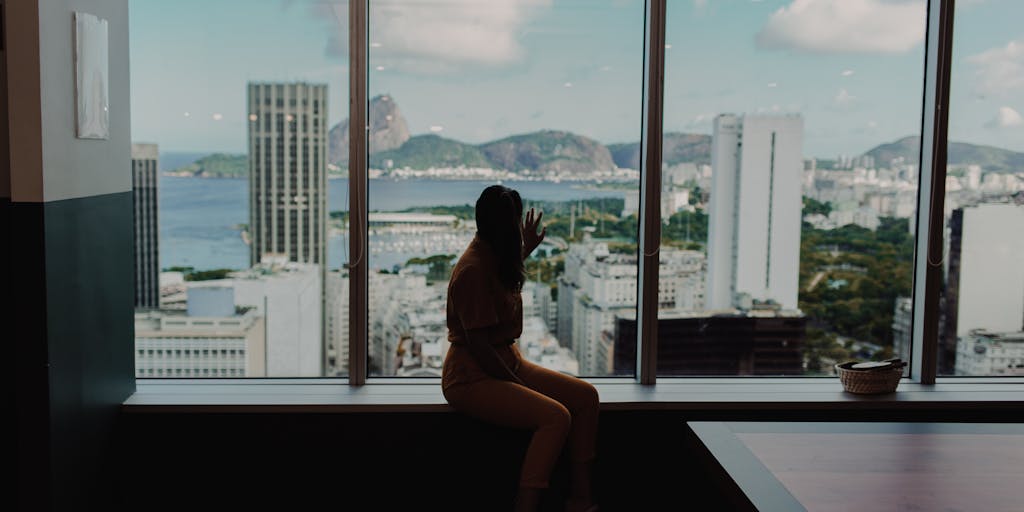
[991,159]
[217,165]
[426,151]
[549,151]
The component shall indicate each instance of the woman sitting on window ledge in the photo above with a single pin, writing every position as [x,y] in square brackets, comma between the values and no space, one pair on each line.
[484,374]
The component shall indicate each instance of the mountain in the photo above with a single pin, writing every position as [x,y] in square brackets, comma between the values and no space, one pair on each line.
[546,152]
[426,151]
[388,130]
[176,159]
[543,152]
[991,159]
[549,151]
[217,165]
[561,152]
[675,148]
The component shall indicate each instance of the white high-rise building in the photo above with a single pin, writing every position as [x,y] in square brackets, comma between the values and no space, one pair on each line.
[902,327]
[336,319]
[172,345]
[987,251]
[754,224]
[403,309]
[289,298]
[985,353]
[598,285]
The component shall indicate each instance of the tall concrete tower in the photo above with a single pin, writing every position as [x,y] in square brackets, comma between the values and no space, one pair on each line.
[147,234]
[288,171]
[754,236]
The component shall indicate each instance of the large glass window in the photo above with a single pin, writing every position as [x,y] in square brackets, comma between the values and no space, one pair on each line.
[543,97]
[790,162]
[238,111]
[788,187]
[982,307]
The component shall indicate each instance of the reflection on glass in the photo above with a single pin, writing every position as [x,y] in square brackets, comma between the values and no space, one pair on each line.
[790,173]
[238,260]
[541,96]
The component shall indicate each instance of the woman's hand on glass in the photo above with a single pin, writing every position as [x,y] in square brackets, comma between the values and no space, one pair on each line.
[531,238]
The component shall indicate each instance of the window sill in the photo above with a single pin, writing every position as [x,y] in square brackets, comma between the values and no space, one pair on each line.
[424,395]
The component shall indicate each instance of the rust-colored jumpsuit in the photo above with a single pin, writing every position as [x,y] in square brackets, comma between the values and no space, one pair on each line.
[559,408]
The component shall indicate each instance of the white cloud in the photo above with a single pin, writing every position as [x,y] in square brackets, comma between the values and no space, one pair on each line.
[847,72]
[846,26]
[432,36]
[999,70]
[700,121]
[450,33]
[843,97]
[1006,117]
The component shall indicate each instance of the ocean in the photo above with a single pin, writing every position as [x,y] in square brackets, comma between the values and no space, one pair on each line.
[200,218]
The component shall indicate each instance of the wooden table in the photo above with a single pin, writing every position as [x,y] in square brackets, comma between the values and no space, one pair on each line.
[797,466]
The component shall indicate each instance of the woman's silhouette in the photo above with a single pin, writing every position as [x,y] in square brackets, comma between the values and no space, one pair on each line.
[484,374]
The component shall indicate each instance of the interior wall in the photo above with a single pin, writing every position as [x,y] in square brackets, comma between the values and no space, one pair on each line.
[77,167]
[69,274]
[5,157]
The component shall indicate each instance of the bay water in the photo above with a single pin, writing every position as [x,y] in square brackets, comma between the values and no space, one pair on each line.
[200,218]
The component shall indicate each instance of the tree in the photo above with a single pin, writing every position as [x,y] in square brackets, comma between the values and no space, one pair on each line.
[812,206]
[439,266]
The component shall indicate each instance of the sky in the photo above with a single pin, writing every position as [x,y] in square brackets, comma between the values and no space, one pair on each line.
[480,70]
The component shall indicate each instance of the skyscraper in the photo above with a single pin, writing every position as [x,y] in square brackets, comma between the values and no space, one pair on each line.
[985,280]
[289,297]
[147,240]
[754,237]
[288,171]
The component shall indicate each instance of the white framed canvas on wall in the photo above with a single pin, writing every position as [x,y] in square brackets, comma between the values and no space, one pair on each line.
[92,114]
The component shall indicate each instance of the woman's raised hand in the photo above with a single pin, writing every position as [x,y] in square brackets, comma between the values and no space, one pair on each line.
[531,238]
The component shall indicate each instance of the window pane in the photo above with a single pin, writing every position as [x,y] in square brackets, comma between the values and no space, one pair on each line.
[543,97]
[790,168]
[235,110]
[982,329]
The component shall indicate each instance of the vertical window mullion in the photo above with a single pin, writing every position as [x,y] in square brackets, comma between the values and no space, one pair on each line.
[357,159]
[928,255]
[650,191]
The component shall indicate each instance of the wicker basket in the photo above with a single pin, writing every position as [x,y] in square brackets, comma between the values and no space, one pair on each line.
[869,382]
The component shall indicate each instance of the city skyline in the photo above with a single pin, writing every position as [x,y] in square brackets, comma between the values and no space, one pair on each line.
[853,97]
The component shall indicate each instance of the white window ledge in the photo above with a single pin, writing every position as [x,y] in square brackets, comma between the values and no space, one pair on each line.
[424,395]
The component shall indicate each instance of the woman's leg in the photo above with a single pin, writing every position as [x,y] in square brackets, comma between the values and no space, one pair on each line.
[581,398]
[509,404]
[577,395]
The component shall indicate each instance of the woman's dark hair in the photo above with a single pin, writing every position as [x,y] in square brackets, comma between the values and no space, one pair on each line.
[499,213]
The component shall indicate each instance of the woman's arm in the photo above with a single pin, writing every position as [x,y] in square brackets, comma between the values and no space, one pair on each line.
[478,343]
[531,239]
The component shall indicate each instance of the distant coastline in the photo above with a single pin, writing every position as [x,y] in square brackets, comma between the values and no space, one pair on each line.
[618,185]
